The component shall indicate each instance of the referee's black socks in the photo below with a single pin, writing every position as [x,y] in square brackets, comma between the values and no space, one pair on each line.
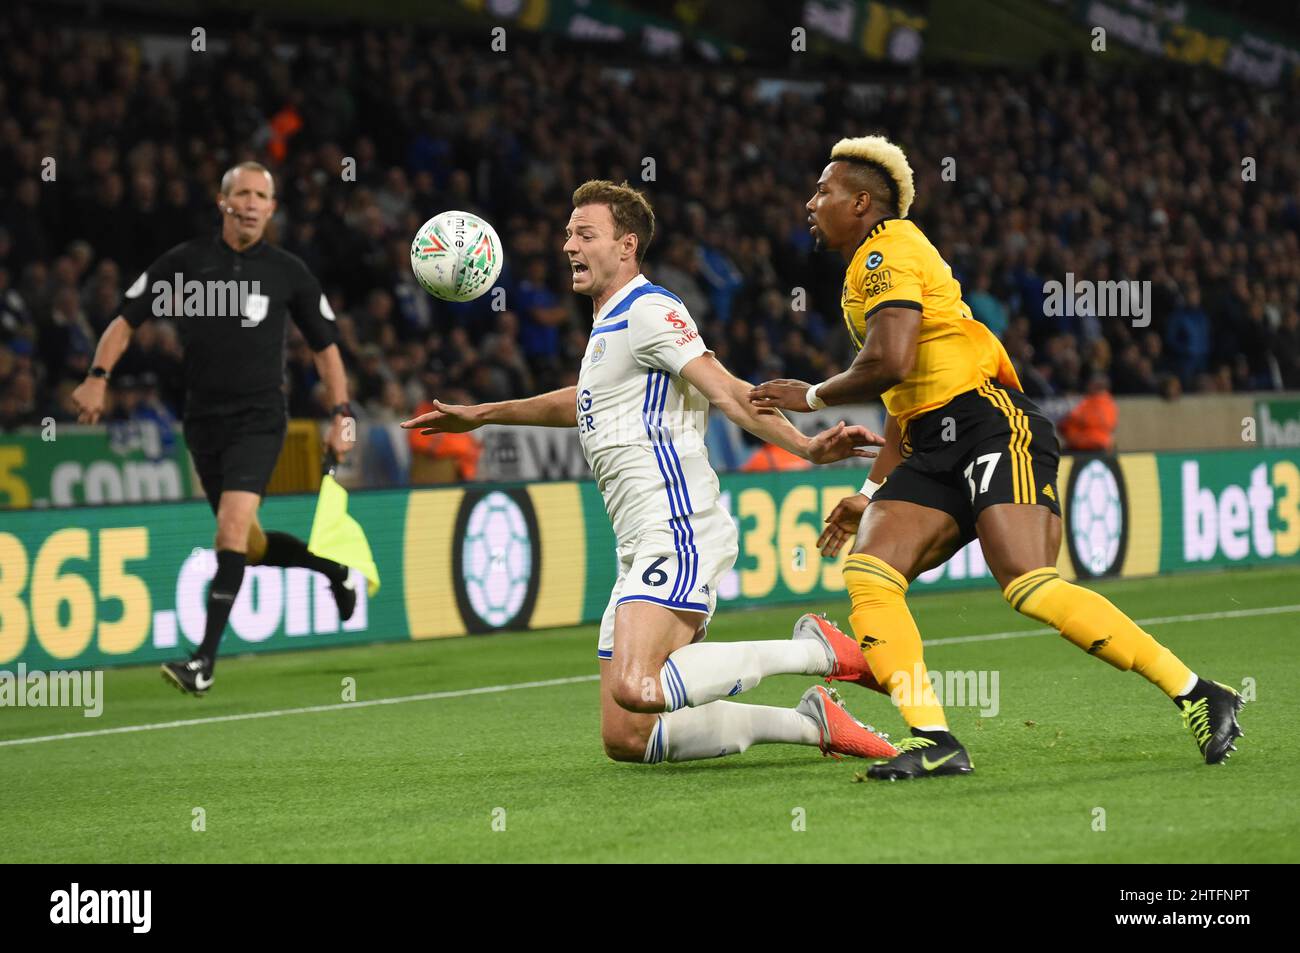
[221,596]
[285,550]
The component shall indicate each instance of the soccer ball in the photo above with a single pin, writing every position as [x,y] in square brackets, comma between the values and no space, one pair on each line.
[456,256]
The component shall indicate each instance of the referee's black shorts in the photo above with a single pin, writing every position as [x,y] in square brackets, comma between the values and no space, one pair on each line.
[985,446]
[236,451]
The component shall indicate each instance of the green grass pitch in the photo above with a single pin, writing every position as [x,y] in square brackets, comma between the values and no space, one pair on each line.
[423,780]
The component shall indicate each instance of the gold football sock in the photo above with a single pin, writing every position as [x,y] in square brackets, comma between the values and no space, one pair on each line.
[889,639]
[1091,621]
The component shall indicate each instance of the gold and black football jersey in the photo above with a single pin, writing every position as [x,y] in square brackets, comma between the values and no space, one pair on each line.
[896,266]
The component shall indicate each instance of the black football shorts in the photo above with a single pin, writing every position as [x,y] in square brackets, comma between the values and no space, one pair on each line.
[985,446]
[237,451]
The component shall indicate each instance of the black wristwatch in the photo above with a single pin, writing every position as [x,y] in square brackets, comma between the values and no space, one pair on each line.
[341,410]
[98,371]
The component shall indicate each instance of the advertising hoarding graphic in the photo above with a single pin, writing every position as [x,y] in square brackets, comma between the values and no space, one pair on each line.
[1097,517]
[1231,508]
[98,586]
[495,565]
[1278,422]
[128,585]
[122,463]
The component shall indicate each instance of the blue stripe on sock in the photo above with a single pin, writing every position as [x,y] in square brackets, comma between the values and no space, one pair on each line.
[666,683]
[677,675]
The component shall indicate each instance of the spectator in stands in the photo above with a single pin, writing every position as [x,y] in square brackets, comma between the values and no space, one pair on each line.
[1285,348]
[1188,337]
[459,452]
[768,458]
[542,312]
[1062,191]
[1090,426]
[986,308]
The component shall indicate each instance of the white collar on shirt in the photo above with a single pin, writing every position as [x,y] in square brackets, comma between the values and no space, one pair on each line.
[619,295]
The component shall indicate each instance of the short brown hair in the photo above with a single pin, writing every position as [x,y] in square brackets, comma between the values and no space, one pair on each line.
[629,207]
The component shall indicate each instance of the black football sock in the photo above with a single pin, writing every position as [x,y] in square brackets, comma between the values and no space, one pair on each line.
[221,596]
[285,550]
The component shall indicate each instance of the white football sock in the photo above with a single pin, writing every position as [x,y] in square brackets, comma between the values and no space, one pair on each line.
[698,674]
[722,728]
[1192,679]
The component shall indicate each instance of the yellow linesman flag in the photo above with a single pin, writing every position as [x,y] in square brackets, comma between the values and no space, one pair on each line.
[336,535]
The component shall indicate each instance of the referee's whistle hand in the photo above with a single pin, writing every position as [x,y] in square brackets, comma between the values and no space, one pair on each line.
[342,436]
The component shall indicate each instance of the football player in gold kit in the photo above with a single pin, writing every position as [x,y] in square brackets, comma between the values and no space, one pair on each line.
[967,456]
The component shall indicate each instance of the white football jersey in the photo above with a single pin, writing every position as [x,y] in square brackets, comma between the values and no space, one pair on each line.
[642,426]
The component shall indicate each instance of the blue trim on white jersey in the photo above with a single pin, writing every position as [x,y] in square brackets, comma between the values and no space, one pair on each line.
[694,565]
[604,653]
[680,518]
[655,397]
[685,511]
[674,493]
[638,292]
[616,326]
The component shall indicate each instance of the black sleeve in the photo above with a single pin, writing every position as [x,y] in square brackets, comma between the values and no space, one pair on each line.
[137,304]
[311,312]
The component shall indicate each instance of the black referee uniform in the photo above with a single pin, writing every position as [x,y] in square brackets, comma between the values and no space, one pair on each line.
[233,309]
[236,412]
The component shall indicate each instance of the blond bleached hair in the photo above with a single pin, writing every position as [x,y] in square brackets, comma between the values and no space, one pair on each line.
[891,160]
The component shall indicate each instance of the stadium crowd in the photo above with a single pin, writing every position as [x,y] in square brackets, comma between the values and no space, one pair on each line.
[1128,178]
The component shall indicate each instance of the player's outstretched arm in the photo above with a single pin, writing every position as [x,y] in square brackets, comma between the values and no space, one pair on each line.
[88,397]
[887,357]
[730,395]
[558,408]
[842,523]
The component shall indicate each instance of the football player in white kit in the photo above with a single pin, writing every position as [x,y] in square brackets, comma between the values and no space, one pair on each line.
[641,407]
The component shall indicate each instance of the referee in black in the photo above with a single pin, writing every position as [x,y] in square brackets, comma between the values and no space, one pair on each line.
[235,409]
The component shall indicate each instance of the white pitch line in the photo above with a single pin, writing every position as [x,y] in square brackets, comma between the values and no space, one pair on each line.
[339,706]
[1154,620]
[575,679]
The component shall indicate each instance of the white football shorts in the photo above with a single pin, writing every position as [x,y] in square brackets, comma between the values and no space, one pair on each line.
[676,564]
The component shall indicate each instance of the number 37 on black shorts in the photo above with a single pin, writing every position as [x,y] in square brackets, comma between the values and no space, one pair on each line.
[986,446]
